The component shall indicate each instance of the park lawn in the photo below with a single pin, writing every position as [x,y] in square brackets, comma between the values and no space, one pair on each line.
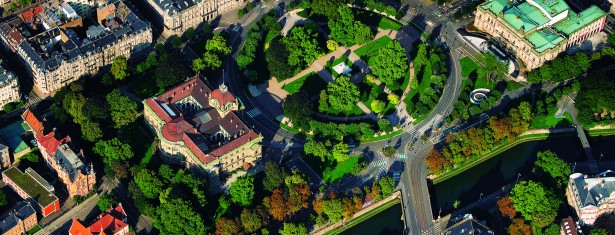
[482,82]
[382,137]
[386,23]
[425,84]
[512,85]
[548,121]
[144,86]
[355,111]
[371,49]
[467,66]
[341,169]
[33,230]
[296,85]
[271,34]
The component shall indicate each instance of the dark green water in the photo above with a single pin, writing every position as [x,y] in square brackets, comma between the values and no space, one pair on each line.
[504,168]
[387,222]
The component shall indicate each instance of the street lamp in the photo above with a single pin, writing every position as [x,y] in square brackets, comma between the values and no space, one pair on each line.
[519,175]
[481,196]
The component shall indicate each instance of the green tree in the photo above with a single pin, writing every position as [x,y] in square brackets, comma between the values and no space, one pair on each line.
[105,201]
[317,149]
[119,68]
[198,65]
[277,60]
[302,46]
[166,173]
[91,131]
[549,163]
[190,34]
[342,94]
[390,64]
[176,41]
[9,107]
[250,220]
[149,183]
[3,200]
[178,217]
[535,202]
[299,108]
[346,30]
[33,157]
[123,109]
[170,72]
[553,229]
[274,176]
[73,103]
[113,150]
[340,152]
[525,109]
[387,185]
[334,209]
[393,98]
[206,29]
[211,61]
[327,7]
[242,190]
[378,106]
[491,68]
[384,125]
[599,231]
[293,229]
[421,56]
[332,45]
[217,45]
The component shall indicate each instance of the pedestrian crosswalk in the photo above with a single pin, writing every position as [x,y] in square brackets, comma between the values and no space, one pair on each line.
[401,156]
[254,112]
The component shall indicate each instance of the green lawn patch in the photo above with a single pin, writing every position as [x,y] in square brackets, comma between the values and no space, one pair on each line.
[148,155]
[549,120]
[315,84]
[341,169]
[468,66]
[271,34]
[512,85]
[355,111]
[371,49]
[34,229]
[296,85]
[481,82]
[383,137]
[387,23]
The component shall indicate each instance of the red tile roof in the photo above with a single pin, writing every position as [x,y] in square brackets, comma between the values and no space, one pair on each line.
[236,143]
[50,143]
[174,130]
[77,228]
[223,96]
[204,158]
[194,87]
[33,121]
[158,110]
[29,14]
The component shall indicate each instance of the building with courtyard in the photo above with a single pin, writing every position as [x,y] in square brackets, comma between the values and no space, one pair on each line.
[537,31]
[198,128]
[178,15]
[61,156]
[20,219]
[591,197]
[32,187]
[9,87]
[58,46]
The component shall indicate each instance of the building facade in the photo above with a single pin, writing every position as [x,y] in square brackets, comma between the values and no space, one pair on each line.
[5,157]
[198,128]
[591,197]
[32,187]
[179,15]
[57,46]
[62,157]
[112,222]
[9,87]
[569,227]
[537,31]
[20,219]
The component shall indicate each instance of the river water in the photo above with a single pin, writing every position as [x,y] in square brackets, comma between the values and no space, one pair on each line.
[384,223]
[504,169]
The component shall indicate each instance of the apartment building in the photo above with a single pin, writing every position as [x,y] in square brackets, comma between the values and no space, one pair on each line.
[537,31]
[591,197]
[179,15]
[61,156]
[20,219]
[9,87]
[32,187]
[198,127]
[58,46]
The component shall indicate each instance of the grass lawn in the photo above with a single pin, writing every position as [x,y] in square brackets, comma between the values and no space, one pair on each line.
[382,137]
[34,229]
[144,86]
[482,82]
[386,23]
[467,66]
[512,85]
[424,84]
[341,169]
[355,111]
[371,49]
[315,84]
[550,120]
[271,34]
[375,19]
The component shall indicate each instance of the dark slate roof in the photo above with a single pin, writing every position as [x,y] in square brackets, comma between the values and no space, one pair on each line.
[138,26]
[21,210]
[27,48]
[591,191]
[120,32]
[8,223]
[69,161]
[468,226]
[24,209]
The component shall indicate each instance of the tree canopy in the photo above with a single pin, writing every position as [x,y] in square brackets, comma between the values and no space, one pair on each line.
[149,183]
[549,163]
[390,64]
[302,46]
[113,150]
[519,227]
[274,176]
[105,201]
[491,68]
[119,68]
[178,217]
[341,94]
[505,205]
[250,220]
[277,60]
[123,109]
[242,190]
[599,231]
[293,229]
[346,30]
[535,202]
[334,209]
[299,108]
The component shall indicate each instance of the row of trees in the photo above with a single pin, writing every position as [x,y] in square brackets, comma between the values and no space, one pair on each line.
[475,142]
[596,100]
[569,66]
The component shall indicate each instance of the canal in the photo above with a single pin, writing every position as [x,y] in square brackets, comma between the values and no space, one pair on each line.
[384,223]
[504,169]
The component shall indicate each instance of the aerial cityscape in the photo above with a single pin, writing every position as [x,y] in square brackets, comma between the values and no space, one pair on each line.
[297,117]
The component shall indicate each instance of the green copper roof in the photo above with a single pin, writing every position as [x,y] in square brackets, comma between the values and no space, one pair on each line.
[544,39]
[575,22]
[553,7]
[495,6]
[525,16]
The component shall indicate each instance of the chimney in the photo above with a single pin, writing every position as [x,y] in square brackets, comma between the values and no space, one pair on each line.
[585,186]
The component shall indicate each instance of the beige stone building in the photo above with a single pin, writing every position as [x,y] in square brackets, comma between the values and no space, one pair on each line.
[198,128]
[179,15]
[9,87]
[537,31]
[57,46]
[591,197]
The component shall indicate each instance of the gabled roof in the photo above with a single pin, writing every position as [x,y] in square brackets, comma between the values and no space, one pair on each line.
[77,228]
[31,13]
[33,121]
[235,143]
[109,222]
[468,226]
[223,96]
[591,191]
[495,6]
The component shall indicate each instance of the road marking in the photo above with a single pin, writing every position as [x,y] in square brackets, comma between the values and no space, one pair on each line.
[254,112]
[401,155]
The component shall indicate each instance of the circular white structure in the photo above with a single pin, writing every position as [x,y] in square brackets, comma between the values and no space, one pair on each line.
[478,95]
